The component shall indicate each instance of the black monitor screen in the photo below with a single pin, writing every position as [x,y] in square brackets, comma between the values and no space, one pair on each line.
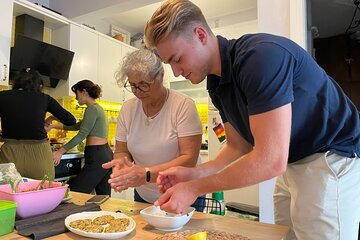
[49,60]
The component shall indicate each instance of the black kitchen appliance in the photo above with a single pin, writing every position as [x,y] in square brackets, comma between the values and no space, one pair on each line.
[52,62]
[69,166]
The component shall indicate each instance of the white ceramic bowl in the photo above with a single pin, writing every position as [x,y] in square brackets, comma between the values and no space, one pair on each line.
[164,221]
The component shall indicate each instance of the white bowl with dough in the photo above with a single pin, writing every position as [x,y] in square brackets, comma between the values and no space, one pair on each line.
[164,221]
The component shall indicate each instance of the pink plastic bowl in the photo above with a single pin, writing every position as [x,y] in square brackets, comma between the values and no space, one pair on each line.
[32,203]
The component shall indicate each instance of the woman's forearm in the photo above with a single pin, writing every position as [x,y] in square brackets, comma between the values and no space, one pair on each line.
[58,126]
[118,155]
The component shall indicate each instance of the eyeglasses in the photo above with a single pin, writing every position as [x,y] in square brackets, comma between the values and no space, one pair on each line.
[143,86]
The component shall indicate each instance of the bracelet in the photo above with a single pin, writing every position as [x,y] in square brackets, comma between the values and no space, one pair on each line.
[147,175]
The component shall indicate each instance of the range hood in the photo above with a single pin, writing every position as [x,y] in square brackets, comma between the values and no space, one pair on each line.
[29,51]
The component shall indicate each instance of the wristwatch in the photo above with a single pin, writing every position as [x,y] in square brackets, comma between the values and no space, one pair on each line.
[147,175]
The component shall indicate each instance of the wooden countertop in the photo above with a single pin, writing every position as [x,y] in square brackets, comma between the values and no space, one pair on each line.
[144,231]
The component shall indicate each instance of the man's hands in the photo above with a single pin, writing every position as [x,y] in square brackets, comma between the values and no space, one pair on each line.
[178,198]
[178,194]
[170,177]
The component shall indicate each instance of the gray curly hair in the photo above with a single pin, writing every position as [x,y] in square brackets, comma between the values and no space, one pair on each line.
[143,62]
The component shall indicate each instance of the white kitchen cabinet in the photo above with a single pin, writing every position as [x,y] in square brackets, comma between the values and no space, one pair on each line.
[197,92]
[97,58]
[84,43]
[168,75]
[108,63]
[125,49]
[6,16]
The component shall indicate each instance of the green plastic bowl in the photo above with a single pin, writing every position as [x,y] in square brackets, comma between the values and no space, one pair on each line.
[7,216]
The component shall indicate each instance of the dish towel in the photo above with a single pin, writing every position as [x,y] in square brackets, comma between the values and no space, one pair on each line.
[52,223]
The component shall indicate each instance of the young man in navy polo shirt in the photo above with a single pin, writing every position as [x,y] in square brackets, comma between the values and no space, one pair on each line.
[283,116]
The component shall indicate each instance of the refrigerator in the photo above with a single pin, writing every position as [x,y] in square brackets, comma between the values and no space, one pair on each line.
[259,195]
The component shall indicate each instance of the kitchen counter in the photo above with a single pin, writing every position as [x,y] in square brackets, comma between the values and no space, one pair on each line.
[251,229]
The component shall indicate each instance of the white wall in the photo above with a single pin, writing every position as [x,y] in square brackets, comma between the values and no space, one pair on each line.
[238,29]
[233,19]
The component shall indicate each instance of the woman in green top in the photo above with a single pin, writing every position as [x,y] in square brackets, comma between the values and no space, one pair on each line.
[94,128]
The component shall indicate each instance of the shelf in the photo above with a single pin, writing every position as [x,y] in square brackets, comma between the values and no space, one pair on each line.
[186,84]
[197,92]
[51,19]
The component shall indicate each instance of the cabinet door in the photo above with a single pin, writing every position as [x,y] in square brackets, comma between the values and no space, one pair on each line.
[355,60]
[6,12]
[197,92]
[109,60]
[168,75]
[84,43]
[331,54]
[124,51]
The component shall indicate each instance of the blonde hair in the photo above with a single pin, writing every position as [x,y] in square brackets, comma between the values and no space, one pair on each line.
[173,16]
[143,62]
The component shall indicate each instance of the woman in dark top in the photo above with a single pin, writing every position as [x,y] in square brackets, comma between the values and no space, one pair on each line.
[22,113]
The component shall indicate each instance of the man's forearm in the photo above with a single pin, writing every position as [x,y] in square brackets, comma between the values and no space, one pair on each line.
[225,156]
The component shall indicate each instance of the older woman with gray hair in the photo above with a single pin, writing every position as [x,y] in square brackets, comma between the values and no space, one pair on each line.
[156,130]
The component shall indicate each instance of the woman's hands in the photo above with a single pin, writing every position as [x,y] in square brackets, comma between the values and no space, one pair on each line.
[48,122]
[57,155]
[48,125]
[125,174]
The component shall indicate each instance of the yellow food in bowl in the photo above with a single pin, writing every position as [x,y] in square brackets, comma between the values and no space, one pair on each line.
[198,236]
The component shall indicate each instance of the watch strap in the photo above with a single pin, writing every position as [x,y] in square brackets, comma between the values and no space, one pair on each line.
[147,175]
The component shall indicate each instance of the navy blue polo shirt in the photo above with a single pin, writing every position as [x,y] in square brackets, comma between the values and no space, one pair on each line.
[261,72]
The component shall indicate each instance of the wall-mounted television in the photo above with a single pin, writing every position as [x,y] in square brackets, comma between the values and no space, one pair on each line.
[52,62]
